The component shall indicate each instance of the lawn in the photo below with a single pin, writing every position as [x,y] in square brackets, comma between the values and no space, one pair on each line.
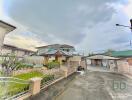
[14,88]
[27,76]
[19,87]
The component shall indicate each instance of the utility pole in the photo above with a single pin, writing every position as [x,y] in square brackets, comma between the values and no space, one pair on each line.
[125,25]
[131,24]
[130,27]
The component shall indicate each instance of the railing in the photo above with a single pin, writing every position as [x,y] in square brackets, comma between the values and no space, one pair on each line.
[14,97]
[50,82]
[9,89]
[46,83]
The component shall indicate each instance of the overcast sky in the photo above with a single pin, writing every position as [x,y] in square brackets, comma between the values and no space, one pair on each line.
[89,25]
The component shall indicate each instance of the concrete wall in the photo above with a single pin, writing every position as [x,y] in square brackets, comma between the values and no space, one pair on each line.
[129,60]
[123,67]
[34,60]
[75,58]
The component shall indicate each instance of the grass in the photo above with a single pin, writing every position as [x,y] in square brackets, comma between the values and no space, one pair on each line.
[27,76]
[13,88]
[17,87]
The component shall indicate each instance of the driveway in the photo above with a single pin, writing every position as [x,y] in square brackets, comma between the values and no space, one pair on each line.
[98,86]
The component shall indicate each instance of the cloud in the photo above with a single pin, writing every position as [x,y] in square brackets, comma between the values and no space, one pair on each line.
[24,40]
[87,24]
[128,8]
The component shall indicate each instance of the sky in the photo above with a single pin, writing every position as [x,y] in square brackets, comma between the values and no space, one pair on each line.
[89,25]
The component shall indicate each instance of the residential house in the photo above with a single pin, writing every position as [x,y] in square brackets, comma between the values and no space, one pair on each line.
[56,52]
[19,52]
[125,62]
[106,62]
[4,29]
[119,61]
[65,54]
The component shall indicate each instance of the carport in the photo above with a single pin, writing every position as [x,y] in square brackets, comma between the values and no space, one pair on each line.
[107,62]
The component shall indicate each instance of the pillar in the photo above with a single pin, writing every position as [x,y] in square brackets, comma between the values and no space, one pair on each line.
[66,73]
[35,85]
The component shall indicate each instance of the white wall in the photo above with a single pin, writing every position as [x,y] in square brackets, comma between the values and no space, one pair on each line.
[2,35]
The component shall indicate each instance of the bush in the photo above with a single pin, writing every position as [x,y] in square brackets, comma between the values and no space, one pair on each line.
[53,64]
[47,78]
[23,65]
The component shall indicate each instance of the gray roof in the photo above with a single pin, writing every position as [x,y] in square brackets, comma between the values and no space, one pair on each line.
[53,52]
[57,46]
[7,26]
[102,57]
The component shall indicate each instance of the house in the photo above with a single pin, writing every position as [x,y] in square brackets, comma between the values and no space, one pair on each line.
[4,29]
[125,62]
[119,61]
[58,52]
[19,52]
[106,62]
[65,54]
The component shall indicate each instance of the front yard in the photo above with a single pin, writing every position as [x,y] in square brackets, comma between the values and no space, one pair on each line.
[12,88]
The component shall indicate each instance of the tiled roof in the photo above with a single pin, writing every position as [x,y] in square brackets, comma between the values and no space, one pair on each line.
[54,52]
[57,45]
[14,47]
[101,57]
[126,53]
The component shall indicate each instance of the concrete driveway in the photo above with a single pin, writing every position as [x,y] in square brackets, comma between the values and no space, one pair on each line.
[98,86]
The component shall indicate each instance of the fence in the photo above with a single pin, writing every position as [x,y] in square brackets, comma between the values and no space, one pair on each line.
[9,87]
[35,84]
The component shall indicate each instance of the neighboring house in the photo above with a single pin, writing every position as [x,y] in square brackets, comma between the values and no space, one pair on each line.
[56,47]
[119,60]
[64,54]
[4,29]
[106,62]
[59,52]
[126,55]
[125,62]
[19,52]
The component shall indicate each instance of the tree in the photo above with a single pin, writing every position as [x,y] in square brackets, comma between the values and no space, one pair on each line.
[109,52]
[9,63]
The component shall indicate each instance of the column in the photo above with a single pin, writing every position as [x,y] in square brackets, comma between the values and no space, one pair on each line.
[35,85]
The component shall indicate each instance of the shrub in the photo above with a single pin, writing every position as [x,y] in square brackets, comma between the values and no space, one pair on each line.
[47,78]
[53,64]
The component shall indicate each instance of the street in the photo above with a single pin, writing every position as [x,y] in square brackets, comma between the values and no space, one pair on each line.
[98,86]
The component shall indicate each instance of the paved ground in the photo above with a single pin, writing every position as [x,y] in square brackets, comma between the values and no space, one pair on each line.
[98,86]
